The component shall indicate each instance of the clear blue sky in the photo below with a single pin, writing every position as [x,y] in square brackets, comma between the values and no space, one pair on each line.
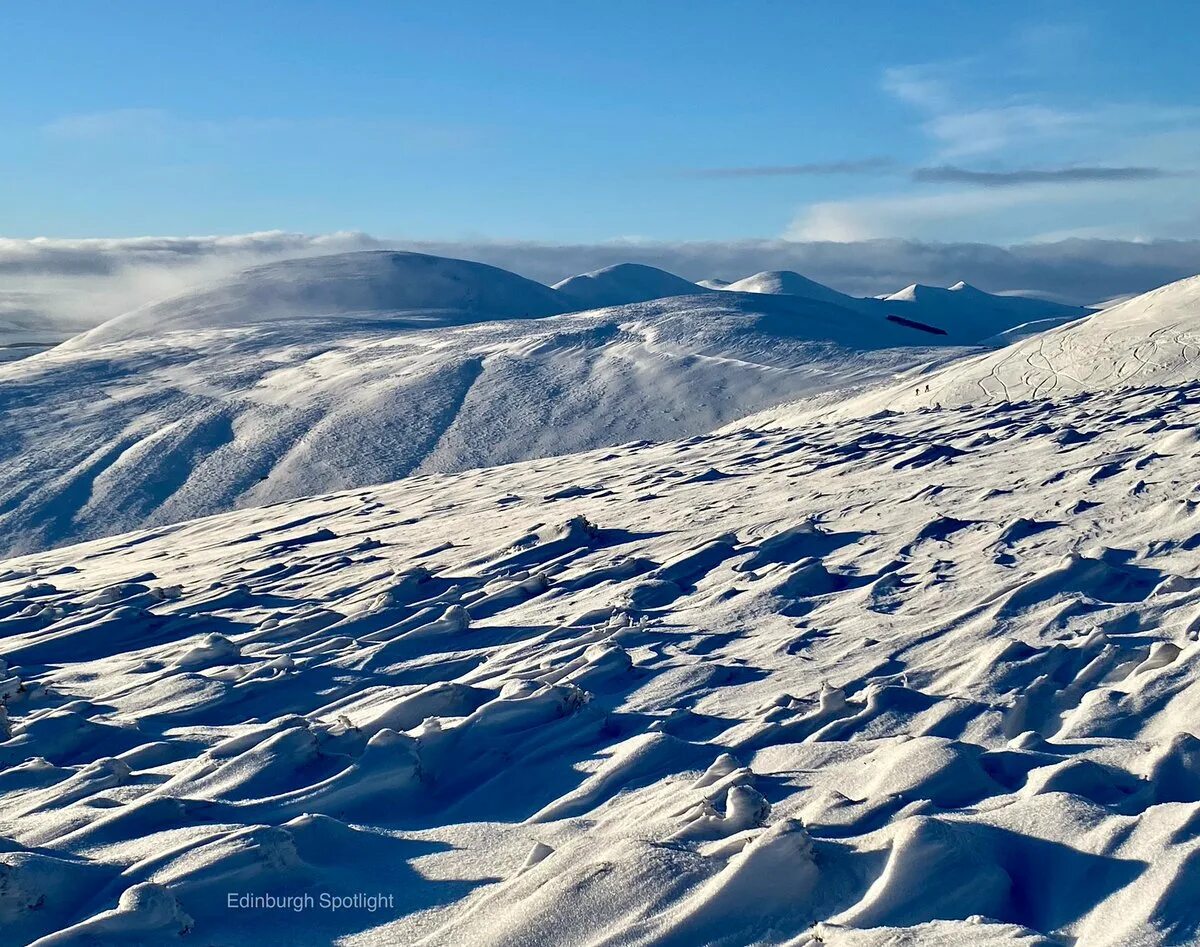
[588,121]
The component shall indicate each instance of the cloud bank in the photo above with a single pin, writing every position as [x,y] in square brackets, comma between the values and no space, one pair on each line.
[74,284]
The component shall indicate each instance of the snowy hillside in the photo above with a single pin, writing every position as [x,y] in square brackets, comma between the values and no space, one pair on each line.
[1152,339]
[97,438]
[623,283]
[345,284]
[919,678]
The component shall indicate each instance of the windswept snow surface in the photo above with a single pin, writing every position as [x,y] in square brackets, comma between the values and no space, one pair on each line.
[908,678]
[97,438]
[624,283]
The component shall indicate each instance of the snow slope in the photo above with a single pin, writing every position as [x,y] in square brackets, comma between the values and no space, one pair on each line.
[1152,339]
[905,678]
[344,284]
[624,283]
[96,438]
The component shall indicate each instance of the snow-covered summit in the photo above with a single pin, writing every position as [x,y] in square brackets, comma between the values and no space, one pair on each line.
[624,283]
[363,283]
[789,283]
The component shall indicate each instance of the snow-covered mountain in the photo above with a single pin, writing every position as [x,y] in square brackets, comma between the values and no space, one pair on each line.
[785,282]
[960,313]
[345,285]
[623,283]
[967,311]
[894,677]
[159,426]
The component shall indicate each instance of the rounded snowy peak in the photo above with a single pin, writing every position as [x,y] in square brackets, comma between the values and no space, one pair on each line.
[622,284]
[339,285]
[786,283]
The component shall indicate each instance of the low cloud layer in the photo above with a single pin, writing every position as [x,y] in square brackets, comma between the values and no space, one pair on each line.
[74,284]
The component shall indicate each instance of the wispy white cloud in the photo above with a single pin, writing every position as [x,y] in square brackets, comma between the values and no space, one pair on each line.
[916,215]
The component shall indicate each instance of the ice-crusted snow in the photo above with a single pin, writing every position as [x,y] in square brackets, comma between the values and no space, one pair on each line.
[875,678]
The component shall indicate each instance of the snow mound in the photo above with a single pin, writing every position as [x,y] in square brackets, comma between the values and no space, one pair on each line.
[623,283]
[788,283]
[364,283]
[713,283]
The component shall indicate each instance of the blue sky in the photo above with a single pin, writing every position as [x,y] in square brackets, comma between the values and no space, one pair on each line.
[663,121]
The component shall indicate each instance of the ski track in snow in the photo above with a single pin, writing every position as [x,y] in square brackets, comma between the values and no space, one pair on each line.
[887,679]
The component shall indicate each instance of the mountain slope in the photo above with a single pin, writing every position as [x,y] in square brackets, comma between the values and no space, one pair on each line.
[1152,339]
[96,438]
[623,283]
[345,284]
[921,678]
